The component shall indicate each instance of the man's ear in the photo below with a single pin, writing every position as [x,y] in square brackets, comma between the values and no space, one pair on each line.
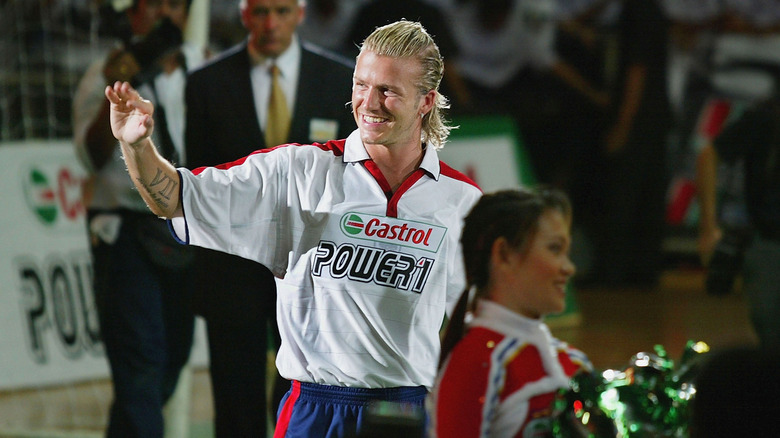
[427,103]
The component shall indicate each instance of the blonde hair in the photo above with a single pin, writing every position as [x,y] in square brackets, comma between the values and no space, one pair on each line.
[407,39]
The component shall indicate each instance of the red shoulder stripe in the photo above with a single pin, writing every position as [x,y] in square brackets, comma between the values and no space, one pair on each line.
[334,146]
[454,174]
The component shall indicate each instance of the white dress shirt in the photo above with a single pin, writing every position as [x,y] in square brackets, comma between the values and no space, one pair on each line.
[289,64]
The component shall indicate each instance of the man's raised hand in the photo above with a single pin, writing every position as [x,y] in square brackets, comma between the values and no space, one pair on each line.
[131,115]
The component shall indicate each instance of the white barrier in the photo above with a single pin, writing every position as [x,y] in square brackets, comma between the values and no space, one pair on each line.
[489,151]
[49,332]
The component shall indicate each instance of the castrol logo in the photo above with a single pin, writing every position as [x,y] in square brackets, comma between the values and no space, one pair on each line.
[395,231]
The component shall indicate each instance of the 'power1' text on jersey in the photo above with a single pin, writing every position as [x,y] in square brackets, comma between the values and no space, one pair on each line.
[364,275]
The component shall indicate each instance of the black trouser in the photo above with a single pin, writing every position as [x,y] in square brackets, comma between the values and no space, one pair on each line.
[146,323]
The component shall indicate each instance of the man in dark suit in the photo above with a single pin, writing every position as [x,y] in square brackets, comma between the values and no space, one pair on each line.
[227,105]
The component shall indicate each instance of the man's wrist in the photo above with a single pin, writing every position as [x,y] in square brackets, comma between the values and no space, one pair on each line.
[138,148]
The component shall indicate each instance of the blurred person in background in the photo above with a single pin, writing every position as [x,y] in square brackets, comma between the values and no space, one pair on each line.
[225,27]
[228,118]
[635,148]
[745,76]
[742,64]
[581,34]
[508,54]
[142,277]
[697,114]
[693,25]
[753,139]
[328,22]
[507,57]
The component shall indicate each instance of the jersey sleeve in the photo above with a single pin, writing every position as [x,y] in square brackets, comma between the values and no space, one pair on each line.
[235,208]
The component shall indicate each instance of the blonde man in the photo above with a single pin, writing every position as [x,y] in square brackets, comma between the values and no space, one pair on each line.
[361,233]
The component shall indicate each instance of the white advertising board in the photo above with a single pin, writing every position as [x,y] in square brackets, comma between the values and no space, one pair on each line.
[49,331]
[489,151]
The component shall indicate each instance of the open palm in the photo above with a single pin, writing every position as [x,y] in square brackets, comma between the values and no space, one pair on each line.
[131,115]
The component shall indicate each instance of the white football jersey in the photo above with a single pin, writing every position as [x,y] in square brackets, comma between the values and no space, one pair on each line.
[364,276]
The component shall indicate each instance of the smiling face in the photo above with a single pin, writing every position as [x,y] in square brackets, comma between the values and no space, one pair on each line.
[386,101]
[271,24]
[536,278]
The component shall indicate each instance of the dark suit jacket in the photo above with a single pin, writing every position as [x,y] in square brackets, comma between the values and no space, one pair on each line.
[222,126]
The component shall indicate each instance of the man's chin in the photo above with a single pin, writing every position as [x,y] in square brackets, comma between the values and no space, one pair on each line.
[271,50]
[368,136]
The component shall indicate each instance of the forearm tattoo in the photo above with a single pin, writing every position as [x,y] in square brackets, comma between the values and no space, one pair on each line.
[161,188]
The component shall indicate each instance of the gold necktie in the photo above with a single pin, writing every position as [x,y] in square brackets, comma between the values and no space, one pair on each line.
[278,123]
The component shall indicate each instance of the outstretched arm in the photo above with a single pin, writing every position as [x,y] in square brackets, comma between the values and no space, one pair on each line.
[132,124]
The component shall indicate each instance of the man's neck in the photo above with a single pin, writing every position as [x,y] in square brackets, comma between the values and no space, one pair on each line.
[396,164]
[255,57]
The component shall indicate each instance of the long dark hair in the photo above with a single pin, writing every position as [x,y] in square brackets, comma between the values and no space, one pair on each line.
[511,214]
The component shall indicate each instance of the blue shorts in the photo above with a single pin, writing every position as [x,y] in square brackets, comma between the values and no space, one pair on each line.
[310,410]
